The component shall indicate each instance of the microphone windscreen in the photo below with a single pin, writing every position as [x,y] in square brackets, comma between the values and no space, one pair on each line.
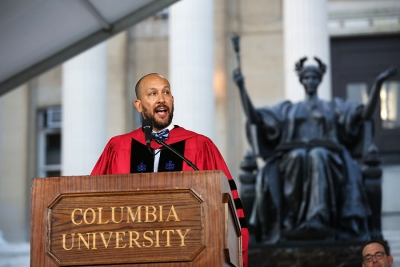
[147,125]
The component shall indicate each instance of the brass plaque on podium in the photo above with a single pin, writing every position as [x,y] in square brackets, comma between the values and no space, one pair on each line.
[125,227]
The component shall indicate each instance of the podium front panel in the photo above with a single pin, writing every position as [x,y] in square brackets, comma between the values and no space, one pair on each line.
[125,227]
[152,219]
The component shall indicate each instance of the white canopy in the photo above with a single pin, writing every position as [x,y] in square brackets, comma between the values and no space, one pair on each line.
[37,35]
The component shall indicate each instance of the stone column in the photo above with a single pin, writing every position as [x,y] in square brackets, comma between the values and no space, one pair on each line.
[13,165]
[1,133]
[191,65]
[305,29]
[84,110]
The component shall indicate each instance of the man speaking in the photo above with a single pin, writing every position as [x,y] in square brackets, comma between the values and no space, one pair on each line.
[137,152]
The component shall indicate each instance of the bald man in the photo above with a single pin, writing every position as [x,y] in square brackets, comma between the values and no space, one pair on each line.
[128,153]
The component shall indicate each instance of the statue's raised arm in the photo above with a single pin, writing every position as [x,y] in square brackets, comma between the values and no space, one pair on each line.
[375,91]
[248,107]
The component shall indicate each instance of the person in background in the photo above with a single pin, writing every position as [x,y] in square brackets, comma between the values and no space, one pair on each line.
[376,253]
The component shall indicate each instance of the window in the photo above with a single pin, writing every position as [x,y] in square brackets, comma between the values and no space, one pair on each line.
[49,143]
[390,105]
[390,101]
[358,60]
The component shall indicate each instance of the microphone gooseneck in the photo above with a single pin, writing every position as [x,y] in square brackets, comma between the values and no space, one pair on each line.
[147,127]
[161,142]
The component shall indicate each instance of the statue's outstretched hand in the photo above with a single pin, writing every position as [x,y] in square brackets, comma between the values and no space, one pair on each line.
[238,77]
[376,87]
[391,71]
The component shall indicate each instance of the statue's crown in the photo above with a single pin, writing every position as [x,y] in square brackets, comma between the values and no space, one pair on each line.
[301,69]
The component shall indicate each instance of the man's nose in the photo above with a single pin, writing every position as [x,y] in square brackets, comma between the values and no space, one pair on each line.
[161,98]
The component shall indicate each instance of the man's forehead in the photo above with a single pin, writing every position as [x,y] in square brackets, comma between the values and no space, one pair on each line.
[153,81]
[372,248]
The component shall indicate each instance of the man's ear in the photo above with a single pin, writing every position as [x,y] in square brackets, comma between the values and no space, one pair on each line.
[138,105]
[390,258]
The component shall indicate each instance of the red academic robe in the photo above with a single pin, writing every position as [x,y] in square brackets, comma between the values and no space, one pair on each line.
[199,149]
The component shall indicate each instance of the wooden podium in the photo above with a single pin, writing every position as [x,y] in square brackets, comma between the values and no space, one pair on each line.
[152,219]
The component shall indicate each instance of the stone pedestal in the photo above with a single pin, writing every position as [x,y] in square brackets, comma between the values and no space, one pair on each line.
[306,254]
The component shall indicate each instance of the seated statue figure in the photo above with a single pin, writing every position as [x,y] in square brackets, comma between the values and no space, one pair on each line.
[310,186]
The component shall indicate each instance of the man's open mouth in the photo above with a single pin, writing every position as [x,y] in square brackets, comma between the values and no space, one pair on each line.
[161,111]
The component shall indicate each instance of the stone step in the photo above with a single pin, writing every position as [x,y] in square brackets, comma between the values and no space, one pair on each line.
[14,254]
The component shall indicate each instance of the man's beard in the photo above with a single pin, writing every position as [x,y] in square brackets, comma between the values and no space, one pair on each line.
[159,125]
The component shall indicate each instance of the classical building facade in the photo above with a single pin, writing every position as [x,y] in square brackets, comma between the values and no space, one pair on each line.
[58,123]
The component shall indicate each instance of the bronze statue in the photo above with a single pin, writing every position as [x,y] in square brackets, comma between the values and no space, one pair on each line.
[310,185]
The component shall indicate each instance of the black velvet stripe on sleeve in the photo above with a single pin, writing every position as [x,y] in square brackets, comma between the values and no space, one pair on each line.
[238,203]
[232,185]
[243,222]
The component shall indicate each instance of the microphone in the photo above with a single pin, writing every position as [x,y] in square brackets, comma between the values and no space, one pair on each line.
[147,127]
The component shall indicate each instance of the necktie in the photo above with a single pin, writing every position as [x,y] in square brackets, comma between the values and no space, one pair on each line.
[163,135]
